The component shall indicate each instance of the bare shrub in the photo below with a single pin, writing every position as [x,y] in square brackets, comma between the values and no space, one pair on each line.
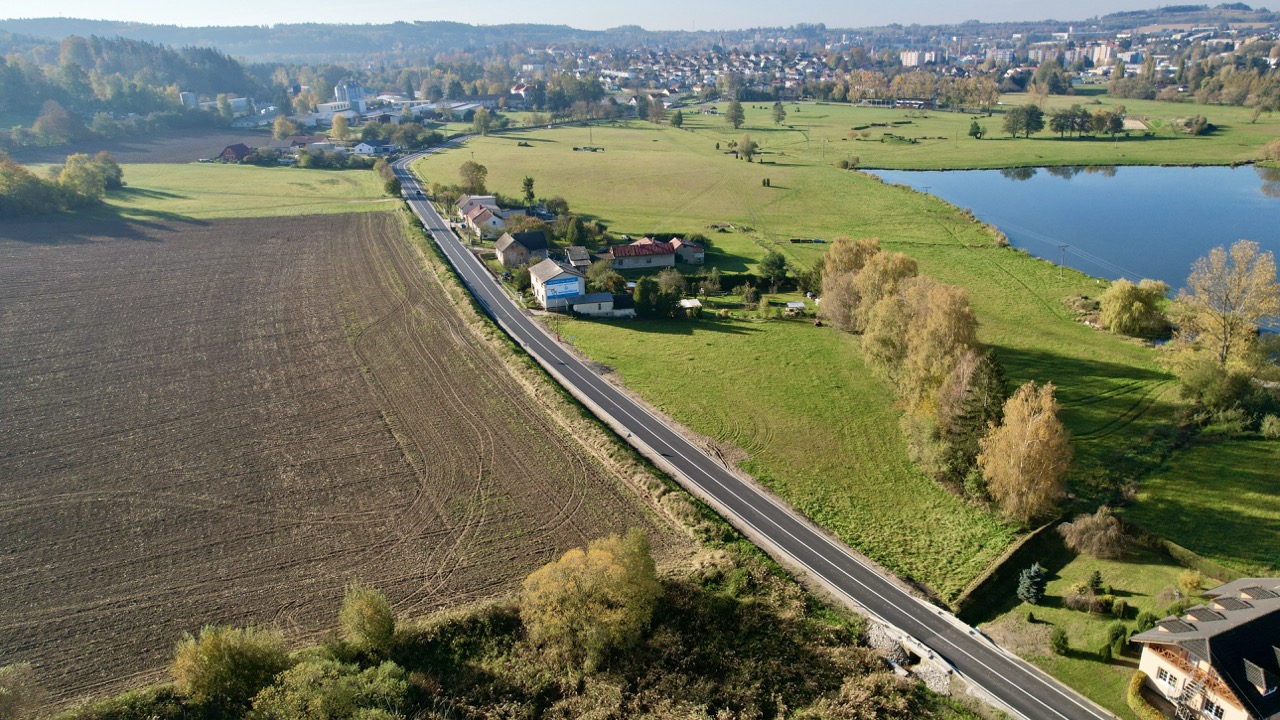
[1099,534]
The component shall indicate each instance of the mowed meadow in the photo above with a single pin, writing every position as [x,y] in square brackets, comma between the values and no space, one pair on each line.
[816,426]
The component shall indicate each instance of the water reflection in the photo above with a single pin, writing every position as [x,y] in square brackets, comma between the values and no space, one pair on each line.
[1066,172]
[1150,222]
[1270,181]
[1019,173]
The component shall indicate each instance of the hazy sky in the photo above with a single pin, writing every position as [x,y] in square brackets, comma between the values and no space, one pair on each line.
[598,14]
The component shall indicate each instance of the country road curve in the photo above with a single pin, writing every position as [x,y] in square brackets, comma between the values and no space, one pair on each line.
[791,539]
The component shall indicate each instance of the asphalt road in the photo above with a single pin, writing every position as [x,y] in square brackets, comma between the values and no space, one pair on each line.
[793,540]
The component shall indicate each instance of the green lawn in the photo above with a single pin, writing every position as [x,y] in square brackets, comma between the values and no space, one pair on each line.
[817,427]
[205,191]
[826,134]
[1219,499]
[661,179]
[1145,580]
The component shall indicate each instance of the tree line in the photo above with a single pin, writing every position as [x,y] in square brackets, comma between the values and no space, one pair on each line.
[962,427]
[1078,121]
[79,182]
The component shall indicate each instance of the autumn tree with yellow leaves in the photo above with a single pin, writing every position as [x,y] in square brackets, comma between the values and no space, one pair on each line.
[1025,459]
[592,601]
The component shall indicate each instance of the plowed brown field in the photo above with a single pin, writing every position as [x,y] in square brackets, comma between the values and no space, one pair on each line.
[225,423]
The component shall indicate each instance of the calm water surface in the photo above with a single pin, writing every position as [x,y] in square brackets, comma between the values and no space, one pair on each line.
[1134,222]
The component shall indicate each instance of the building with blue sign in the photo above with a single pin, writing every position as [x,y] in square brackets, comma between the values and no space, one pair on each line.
[555,285]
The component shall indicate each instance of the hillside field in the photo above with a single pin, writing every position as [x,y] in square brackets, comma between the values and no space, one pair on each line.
[224,422]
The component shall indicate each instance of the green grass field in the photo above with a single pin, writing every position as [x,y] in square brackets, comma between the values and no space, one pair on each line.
[1145,580]
[817,427]
[206,191]
[661,179]
[1219,499]
[825,134]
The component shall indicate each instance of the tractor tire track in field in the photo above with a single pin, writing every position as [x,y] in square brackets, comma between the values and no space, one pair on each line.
[226,422]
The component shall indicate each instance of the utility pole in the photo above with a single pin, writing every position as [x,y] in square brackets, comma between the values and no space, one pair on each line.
[1063,248]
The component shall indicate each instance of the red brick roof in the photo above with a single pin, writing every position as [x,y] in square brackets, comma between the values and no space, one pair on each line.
[643,249]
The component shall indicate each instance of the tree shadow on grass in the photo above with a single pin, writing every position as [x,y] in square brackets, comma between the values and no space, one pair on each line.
[685,327]
[137,192]
[1099,398]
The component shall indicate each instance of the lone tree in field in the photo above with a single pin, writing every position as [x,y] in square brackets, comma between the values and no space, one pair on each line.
[224,667]
[481,122]
[773,268]
[1131,309]
[527,186]
[747,147]
[593,601]
[367,622]
[1025,458]
[473,177]
[1099,534]
[734,114]
[1227,295]
[779,114]
[1031,584]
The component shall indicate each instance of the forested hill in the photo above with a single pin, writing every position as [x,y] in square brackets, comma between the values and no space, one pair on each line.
[114,75]
[312,42]
[347,43]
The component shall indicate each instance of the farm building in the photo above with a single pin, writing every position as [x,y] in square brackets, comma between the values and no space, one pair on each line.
[592,303]
[235,153]
[578,257]
[643,253]
[692,307]
[518,249]
[555,285]
[1221,660]
[373,147]
[689,253]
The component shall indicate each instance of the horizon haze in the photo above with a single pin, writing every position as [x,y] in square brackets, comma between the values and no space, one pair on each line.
[657,15]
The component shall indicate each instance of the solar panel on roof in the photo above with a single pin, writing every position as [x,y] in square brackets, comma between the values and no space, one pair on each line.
[1233,603]
[1258,593]
[1176,626]
[1204,614]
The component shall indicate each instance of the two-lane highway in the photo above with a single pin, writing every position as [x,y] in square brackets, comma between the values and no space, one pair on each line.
[790,538]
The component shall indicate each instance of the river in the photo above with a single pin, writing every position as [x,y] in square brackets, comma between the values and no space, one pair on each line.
[1112,222]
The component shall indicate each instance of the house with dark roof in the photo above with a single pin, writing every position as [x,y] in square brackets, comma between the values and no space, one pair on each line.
[518,249]
[1220,660]
[643,253]
[578,257]
[235,153]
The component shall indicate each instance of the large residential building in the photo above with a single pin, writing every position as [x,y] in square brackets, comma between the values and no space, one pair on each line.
[555,285]
[1221,660]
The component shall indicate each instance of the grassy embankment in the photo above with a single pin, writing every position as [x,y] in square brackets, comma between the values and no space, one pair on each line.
[818,427]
